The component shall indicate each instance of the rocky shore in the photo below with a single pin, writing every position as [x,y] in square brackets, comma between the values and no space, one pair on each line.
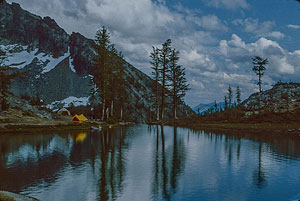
[8,196]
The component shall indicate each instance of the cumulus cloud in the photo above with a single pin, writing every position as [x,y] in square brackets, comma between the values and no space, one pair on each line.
[228,4]
[282,62]
[210,22]
[196,60]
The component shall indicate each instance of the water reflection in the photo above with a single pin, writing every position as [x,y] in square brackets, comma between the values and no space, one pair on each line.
[168,165]
[259,176]
[151,163]
[80,137]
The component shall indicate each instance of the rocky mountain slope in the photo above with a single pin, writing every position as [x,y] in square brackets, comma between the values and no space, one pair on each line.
[56,64]
[283,97]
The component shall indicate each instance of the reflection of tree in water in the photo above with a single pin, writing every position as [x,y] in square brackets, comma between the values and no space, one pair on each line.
[50,154]
[259,177]
[112,168]
[168,165]
[104,150]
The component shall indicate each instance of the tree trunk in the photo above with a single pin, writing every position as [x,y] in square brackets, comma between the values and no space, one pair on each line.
[121,114]
[175,110]
[112,109]
[157,113]
[103,111]
[259,81]
[156,100]
[163,94]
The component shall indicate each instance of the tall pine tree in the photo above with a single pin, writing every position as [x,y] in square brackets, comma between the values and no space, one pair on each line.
[155,65]
[259,68]
[165,53]
[178,83]
[230,96]
[100,73]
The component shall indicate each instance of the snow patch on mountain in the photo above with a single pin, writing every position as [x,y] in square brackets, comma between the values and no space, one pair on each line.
[52,62]
[19,56]
[71,64]
[82,101]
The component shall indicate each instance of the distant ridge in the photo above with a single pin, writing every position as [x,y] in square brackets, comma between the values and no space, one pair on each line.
[202,108]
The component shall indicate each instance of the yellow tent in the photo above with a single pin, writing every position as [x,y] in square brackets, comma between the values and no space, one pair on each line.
[79,118]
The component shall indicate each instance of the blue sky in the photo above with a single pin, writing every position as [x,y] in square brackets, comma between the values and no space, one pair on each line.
[216,38]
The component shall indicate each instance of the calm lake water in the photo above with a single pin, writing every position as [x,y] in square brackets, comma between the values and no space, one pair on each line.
[151,163]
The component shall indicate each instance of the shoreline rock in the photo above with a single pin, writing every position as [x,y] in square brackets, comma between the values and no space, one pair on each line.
[8,196]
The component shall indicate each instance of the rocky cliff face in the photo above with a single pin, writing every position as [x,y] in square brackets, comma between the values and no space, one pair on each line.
[56,64]
[281,98]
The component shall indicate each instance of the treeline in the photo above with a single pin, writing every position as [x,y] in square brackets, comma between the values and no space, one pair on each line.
[169,77]
[259,67]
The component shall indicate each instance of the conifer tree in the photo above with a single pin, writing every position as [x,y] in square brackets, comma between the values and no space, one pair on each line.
[164,60]
[238,95]
[230,96]
[93,97]
[100,74]
[116,83]
[225,102]
[178,83]
[259,68]
[215,106]
[155,65]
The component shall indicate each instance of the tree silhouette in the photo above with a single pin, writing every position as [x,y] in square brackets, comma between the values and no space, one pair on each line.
[259,68]
[178,83]
[155,62]
[164,60]
[230,96]
[238,95]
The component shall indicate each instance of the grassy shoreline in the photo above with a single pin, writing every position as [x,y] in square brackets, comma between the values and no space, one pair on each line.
[51,127]
[290,128]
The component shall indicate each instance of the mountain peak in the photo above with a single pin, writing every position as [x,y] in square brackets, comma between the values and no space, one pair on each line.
[57,64]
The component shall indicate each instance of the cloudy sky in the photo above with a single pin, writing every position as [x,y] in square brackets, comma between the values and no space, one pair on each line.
[216,38]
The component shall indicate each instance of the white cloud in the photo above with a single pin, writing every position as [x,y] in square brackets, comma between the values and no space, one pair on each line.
[283,65]
[137,17]
[281,62]
[293,26]
[260,29]
[228,4]
[276,34]
[193,59]
[210,22]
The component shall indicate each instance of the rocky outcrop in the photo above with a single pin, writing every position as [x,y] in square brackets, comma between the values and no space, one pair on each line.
[55,65]
[8,196]
[283,97]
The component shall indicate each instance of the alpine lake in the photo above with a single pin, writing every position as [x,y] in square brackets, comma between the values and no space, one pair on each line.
[141,162]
